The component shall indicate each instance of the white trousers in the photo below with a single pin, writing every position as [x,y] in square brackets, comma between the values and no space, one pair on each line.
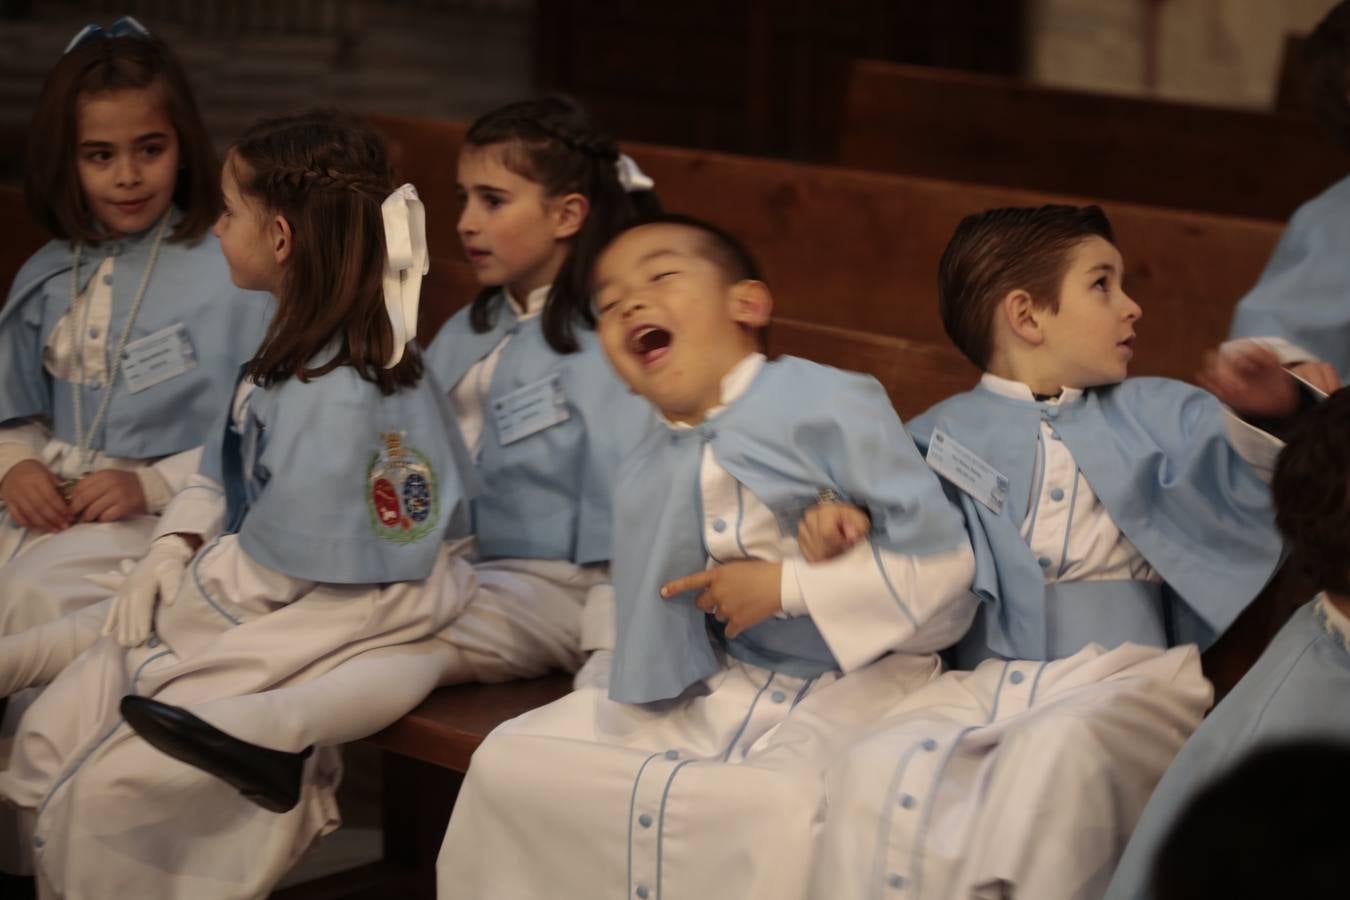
[716,795]
[1020,779]
[276,660]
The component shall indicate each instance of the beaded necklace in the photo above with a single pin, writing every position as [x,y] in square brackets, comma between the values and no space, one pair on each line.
[112,367]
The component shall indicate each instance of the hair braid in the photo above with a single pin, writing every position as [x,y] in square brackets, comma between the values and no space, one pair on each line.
[551,142]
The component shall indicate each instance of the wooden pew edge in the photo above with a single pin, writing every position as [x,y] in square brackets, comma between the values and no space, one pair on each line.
[394,125]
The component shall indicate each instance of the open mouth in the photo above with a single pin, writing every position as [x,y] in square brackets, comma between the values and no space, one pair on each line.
[649,343]
[475,255]
[1127,344]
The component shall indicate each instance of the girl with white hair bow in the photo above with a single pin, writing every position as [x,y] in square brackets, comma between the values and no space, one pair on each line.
[327,520]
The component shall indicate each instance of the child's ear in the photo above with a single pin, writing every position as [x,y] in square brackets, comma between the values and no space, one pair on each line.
[751,303]
[569,215]
[281,239]
[1024,317]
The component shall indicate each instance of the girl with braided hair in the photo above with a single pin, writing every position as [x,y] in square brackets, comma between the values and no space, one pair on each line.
[120,339]
[326,521]
[546,422]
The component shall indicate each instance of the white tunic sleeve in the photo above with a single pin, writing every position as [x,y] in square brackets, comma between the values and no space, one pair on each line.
[1290,354]
[199,508]
[598,621]
[869,601]
[162,480]
[20,441]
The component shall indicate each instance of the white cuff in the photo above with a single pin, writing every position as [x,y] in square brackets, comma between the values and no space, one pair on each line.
[156,490]
[14,452]
[1258,448]
[598,624]
[868,601]
[199,508]
[790,591]
[1290,354]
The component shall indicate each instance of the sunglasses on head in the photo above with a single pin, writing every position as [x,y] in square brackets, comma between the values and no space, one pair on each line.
[123,27]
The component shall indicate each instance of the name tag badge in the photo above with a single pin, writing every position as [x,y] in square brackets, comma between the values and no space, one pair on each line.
[531,409]
[157,357]
[961,467]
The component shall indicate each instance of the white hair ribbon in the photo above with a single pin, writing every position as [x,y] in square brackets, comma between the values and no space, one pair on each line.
[630,176]
[405,241]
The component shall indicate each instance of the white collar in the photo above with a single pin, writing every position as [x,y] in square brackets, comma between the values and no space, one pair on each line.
[534,302]
[734,384]
[1016,390]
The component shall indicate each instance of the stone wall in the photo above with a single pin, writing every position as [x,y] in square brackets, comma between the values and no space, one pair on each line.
[1224,52]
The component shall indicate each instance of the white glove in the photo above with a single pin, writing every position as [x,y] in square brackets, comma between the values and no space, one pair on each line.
[113,579]
[155,578]
[595,672]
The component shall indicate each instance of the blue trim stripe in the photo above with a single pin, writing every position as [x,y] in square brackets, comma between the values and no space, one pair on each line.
[746,721]
[895,595]
[698,505]
[1035,684]
[84,757]
[998,693]
[740,517]
[1068,526]
[196,577]
[1040,485]
[806,686]
[632,805]
[884,826]
[661,824]
[916,861]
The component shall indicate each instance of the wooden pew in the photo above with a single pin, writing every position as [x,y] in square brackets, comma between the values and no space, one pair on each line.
[22,236]
[992,130]
[428,750]
[859,250]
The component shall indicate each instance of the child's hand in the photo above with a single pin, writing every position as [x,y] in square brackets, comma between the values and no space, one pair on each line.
[741,594]
[1252,381]
[107,496]
[828,529]
[32,495]
[1320,375]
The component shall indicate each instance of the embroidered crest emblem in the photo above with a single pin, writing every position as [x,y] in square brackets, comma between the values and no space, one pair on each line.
[400,491]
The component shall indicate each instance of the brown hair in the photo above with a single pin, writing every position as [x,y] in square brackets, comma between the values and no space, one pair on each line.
[1003,250]
[326,173]
[1311,487]
[51,179]
[551,142]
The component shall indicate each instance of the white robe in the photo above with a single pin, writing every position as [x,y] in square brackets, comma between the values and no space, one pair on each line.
[306,664]
[1023,778]
[44,575]
[719,792]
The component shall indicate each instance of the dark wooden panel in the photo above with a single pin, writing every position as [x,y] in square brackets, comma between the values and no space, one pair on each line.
[967,127]
[22,236]
[450,724]
[915,375]
[752,76]
[859,250]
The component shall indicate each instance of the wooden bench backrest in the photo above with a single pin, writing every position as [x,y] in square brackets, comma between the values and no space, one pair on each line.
[986,129]
[22,236]
[859,250]
[916,375]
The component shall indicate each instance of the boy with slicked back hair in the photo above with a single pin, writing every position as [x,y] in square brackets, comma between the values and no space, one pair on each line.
[739,668]
[1119,527]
